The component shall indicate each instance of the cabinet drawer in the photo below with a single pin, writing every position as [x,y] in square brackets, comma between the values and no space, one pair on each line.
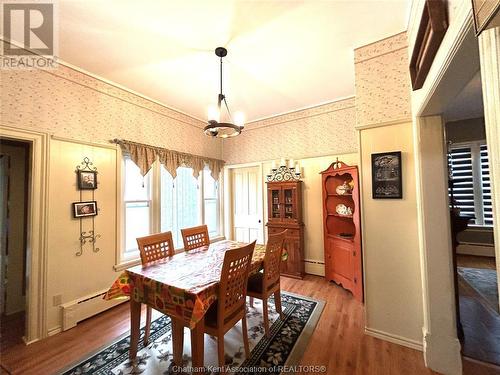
[291,233]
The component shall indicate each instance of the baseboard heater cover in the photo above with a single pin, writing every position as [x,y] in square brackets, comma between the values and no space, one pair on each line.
[84,308]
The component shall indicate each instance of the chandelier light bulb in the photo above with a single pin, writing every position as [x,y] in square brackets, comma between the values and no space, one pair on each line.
[213,113]
[239,119]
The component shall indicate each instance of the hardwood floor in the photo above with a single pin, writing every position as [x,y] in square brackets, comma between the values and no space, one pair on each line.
[473,261]
[337,342]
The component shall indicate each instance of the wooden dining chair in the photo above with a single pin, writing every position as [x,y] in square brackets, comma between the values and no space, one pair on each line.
[263,284]
[195,237]
[152,248]
[230,306]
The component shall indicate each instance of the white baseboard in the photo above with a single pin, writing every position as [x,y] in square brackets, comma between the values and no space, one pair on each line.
[477,250]
[314,267]
[409,343]
[26,342]
[54,331]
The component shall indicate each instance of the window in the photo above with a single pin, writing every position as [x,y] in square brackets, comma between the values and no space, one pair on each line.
[180,206]
[137,208]
[468,163]
[211,203]
[158,203]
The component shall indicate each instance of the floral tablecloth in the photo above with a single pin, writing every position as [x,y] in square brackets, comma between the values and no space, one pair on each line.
[183,286]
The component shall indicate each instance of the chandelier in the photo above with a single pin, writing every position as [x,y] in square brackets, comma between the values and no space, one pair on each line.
[216,127]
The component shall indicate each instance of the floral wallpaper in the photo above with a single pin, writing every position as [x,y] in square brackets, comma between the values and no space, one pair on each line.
[68,103]
[382,81]
[323,130]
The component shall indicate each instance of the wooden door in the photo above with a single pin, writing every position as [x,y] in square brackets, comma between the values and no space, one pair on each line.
[247,205]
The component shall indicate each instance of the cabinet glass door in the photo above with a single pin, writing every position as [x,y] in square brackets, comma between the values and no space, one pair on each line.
[275,204]
[289,203]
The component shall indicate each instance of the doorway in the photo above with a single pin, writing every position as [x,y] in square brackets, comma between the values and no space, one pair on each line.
[472,225]
[246,204]
[457,211]
[15,170]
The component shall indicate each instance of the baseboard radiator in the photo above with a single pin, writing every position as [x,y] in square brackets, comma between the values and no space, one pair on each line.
[84,308]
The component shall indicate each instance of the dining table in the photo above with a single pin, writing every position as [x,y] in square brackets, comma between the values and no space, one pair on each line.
[183,287]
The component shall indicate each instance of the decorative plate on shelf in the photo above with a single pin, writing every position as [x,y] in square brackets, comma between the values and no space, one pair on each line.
[342,209]
[343,189]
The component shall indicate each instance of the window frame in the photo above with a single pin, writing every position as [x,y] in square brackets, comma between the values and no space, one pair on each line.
[121,261]
[477,180]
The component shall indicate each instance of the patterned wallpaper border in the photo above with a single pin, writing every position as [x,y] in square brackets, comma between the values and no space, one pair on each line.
[387,45]
[317,110]
[99,84]
[382,81]
[68,103]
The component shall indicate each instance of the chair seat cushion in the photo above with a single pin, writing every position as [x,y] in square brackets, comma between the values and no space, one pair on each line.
[255,283]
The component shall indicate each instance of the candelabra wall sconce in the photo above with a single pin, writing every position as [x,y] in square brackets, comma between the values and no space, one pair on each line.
[83,210]
[285,171]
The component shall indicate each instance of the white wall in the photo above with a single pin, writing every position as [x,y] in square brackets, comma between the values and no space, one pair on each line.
[393,290]
[72,276]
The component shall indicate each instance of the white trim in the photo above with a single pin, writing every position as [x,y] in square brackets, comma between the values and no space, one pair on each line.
[340,99]
[489,54]
[394,338]
[54,331]
[435,246]
[36,311]
[85,143]
[404,120]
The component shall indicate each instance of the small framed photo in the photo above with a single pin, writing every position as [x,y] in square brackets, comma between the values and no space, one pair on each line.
[83,209]
[87,180]
[386,176]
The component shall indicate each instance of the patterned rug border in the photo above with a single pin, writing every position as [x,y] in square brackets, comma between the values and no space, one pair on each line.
[301,344]
[294,357]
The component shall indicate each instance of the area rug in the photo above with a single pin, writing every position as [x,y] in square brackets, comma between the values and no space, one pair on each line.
[285,346]
[484,283]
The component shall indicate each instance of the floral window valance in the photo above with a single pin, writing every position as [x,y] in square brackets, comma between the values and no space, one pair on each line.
[145,155]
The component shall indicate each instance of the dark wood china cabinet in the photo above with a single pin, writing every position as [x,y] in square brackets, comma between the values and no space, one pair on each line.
[284,201]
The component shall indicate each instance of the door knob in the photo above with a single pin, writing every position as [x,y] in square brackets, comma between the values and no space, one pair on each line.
[260,221]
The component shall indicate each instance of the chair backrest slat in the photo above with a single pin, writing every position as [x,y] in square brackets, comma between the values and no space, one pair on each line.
[272,259]
[155,247]
[233,282]
[195,237]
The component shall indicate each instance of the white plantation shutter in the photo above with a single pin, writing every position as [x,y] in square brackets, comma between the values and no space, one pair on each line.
[485,185]
[471,183]
[463,181]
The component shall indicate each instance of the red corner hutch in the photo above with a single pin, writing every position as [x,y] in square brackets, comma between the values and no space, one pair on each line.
[342,227]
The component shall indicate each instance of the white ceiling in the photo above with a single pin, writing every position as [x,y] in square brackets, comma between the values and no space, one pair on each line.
[468,103]
[283,55]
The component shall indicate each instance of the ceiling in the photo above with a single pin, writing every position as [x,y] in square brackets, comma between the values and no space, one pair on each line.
[283,55]
[468,103]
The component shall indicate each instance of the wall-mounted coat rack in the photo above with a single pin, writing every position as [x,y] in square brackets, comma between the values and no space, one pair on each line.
[86,180]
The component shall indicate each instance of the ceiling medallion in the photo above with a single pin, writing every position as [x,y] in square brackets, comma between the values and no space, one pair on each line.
[215,127]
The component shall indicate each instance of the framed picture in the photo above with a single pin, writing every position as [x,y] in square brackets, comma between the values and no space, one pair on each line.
[431,31]
[87,180]
[386,176]
[83,209]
